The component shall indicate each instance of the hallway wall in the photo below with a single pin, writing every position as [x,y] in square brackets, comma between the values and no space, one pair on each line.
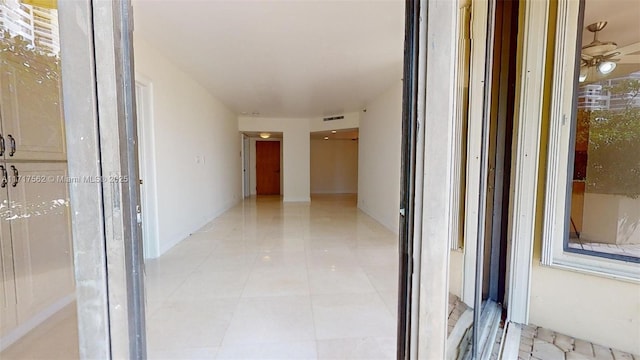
[379,165]
[197,149]
[334,166]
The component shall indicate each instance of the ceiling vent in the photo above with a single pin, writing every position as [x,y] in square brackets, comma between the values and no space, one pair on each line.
[333,118]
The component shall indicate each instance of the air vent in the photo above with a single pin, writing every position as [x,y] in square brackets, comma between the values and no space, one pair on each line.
[333,118]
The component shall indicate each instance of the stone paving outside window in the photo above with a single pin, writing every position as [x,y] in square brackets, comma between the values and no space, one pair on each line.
[538,343]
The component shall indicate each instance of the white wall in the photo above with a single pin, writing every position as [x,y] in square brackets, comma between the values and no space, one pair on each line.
[197,149]
[379,166]
[334,166]
[252,165]
[295,148]
[594,308]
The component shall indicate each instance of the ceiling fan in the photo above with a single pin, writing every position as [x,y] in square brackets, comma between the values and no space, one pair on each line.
[601,57]
[598,54]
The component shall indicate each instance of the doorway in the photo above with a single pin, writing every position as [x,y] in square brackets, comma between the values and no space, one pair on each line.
[268,167]
[147,167]
[246,163]
[500,143]
[490,302]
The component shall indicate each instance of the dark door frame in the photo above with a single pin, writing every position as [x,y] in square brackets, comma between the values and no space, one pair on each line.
[408,176]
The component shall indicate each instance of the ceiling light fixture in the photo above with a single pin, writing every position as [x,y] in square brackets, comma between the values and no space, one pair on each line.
[597,54]
[265,135]
[606,67]
[326,138]
[333,131]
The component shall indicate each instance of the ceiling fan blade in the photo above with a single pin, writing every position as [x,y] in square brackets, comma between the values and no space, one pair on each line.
[629,49]
[586,57]
[629,59]
[611,55]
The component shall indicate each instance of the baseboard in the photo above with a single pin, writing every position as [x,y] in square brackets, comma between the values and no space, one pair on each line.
[39,318]
[394,228]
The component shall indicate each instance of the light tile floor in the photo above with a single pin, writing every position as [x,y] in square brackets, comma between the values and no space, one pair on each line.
[275,281]
[265,280]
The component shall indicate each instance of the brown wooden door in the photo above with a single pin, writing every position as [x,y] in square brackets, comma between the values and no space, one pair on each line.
[268,167]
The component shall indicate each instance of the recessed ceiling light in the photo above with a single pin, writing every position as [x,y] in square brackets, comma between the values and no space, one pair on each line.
[244,113]
[333,131]
[326,138]
[265,135]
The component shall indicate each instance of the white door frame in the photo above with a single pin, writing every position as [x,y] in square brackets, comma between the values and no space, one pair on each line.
[147,157]
[527,134]
[526,155]
[246,165]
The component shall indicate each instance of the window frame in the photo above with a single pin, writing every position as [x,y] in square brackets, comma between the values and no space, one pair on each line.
[559,158]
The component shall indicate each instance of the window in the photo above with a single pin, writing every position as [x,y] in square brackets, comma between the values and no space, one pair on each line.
[38,26]
[592,209]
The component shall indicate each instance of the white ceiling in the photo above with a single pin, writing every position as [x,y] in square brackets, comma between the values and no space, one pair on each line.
[281,57]
[622,17]
[623,28]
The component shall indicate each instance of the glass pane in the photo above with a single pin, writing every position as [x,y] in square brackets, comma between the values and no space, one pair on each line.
[37,293]
[605,202]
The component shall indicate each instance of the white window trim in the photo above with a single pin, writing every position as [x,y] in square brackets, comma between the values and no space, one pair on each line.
[553,253]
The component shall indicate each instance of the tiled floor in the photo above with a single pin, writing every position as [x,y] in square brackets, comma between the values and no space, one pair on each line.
[276,281]
[264,280]
[456,309]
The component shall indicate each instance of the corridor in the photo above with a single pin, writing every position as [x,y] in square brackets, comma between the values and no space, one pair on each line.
[277,280]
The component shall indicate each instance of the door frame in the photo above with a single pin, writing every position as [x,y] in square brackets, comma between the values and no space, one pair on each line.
[428,199]
[246,165]
[147,162]
[280,154]
[99,106]
[526,139]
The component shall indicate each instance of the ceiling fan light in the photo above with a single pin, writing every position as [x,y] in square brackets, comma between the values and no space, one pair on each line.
[606,67]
